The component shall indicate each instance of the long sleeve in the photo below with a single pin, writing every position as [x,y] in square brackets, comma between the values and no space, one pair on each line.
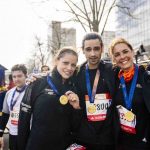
[3,122]
[146,88]
[77,115]
[5,104]
[24,119]
[5,116]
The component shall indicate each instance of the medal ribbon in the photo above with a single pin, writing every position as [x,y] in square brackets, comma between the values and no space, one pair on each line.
[13,102]
[129,98]
[91,93]
[51,84]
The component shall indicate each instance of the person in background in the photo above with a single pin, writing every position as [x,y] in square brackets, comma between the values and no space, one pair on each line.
[132,97]
[45,69]
[11,105]
[11,83]
[3,89]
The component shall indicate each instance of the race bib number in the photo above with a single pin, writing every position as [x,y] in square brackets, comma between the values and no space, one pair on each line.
[76,147]
[14,116]
[127,120]
[97,111]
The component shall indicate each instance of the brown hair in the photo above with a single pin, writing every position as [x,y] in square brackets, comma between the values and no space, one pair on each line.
[118,41]
[19,67]
[62,52]
[44,66]
[65,50]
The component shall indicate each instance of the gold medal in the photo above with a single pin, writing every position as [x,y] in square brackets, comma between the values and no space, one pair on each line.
[129,116]
[63,99]
[92,109]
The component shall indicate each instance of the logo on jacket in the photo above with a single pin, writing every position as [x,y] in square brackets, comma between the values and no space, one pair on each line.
[139,86]
[49,91]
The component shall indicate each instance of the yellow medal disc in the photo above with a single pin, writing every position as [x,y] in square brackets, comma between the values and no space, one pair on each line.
[129,116]
[92,109]
[63,99]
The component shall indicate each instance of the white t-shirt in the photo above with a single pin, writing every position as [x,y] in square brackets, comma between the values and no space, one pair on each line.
[14,114]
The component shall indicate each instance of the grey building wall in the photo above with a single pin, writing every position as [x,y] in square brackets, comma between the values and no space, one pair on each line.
[136,30]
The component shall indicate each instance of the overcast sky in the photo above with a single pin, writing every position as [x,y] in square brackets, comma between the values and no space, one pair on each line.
[20,21]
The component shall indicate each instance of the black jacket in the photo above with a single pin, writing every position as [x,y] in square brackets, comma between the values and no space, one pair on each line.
[51,123]
[140,107]
[99,132]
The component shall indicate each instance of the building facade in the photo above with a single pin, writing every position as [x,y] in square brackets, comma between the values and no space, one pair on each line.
[59,37]
[135,27]
[107,37]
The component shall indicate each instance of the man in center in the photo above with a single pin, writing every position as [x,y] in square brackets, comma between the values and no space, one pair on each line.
[94,85]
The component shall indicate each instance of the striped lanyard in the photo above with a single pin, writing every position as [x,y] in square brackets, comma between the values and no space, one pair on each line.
[91,92]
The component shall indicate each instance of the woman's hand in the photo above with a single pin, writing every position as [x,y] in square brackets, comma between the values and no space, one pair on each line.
[73,99]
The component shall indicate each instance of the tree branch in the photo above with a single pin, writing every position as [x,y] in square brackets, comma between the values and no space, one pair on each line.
[99,20]
[75,15]
[88,19]
[75,6]
[108,16]
[99,8]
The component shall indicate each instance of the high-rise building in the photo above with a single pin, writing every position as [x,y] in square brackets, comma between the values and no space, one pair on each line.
[59,37]
[68,37]
[135,27]
[107,37]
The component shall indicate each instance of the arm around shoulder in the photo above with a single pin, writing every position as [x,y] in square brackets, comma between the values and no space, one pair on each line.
[24,119]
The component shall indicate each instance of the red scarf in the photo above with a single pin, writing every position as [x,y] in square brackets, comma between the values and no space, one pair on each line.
[128,75]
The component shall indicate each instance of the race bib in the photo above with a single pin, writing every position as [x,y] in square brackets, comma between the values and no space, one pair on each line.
[127,120]
[14,116]
[97,111]
[76,147]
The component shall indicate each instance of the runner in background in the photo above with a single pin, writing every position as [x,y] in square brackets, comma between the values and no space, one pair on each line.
[11,105]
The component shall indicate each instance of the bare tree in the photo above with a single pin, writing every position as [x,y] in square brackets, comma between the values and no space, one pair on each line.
[54,42]
[91,14]
[41,52]
[125,7]
[59,37]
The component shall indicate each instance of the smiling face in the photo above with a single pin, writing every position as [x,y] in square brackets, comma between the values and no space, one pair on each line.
[123,56]
[66,65]
[93,50]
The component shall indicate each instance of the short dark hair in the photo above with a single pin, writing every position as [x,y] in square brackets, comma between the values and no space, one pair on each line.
[44,67]
[92,36]
[19,67]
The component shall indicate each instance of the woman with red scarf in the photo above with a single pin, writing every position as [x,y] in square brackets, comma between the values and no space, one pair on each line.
[132,98]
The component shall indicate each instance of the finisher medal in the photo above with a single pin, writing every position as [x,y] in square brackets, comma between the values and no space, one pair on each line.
[92,109]
[63,99]
[129,116]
